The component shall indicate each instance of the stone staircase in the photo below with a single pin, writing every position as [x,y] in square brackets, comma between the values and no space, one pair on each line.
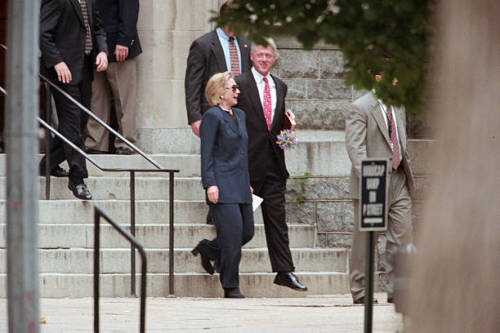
[66,228]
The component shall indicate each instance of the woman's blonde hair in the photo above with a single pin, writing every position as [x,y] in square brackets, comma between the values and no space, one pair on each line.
[216,87]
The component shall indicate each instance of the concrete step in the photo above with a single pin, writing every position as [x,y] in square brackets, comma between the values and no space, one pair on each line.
[147,211]
[186,285]
[80,261]
[155,188]
[187,164]
[66,236]
[316,153]
[104,188]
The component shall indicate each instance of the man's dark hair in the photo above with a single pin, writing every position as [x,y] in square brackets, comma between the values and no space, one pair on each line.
[225,6]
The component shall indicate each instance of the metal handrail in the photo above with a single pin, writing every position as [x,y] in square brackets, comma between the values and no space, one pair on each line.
[132,171]
[98,213]
[102,123]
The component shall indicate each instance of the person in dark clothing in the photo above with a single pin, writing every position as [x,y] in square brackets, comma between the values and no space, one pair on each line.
[119,80]
[225,178]
[72,42]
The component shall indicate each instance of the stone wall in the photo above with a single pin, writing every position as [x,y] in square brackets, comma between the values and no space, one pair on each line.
[316,90]
[166,30]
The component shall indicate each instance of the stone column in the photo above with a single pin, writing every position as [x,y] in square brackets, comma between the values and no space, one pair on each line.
[166,29]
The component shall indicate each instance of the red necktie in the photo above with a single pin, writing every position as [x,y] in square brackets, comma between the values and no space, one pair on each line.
[394,139]
[233,54]
[267,104]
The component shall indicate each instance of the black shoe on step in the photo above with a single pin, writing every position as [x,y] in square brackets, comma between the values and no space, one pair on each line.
[80,191]
[233,293]
[288,279]
[124,151]
[362,301]
[205,261]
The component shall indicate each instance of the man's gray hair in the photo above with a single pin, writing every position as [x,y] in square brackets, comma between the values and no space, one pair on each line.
[270,42]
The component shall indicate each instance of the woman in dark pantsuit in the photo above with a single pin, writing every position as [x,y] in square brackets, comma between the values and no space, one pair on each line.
[225,178]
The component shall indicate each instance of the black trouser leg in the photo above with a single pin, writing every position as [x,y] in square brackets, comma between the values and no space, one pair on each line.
[273,213]
[86,92]
[235,227]
[71,127]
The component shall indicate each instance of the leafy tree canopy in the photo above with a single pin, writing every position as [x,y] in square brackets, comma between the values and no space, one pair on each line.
[389,36]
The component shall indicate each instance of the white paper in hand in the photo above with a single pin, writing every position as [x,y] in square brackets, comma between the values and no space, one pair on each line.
[256,201]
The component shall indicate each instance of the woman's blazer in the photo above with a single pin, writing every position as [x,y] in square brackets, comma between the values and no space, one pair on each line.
[224,155]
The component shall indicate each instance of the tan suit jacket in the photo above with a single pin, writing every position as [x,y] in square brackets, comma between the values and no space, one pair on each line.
[367,136]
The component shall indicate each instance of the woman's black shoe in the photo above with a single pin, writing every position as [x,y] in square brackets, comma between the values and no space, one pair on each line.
[205,261]
[233,293]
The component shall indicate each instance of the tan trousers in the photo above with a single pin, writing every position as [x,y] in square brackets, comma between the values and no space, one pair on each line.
[398,233]
[120,82]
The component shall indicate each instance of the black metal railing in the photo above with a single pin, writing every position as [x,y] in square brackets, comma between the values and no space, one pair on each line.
[98,213]
[132,205]
[132,172]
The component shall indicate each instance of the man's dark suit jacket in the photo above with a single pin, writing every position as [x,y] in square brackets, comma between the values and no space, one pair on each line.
[119,19]
[224,155]
[62,36]
[205,59]
[264,154]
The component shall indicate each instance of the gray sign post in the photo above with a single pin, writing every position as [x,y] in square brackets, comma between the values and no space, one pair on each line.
[22,166]
[373,217]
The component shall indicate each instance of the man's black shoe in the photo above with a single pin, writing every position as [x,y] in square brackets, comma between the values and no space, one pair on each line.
[233,293]
[205,261]
[56,172]
[124,151]
[362,301]
[93,151]
[80,191]
[289,280]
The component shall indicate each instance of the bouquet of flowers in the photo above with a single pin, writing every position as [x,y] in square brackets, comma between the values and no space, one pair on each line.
[286,139]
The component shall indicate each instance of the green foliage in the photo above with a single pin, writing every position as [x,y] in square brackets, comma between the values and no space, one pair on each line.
[389,36]
[296,186]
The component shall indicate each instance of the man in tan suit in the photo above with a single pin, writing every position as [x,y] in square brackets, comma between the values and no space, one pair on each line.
[374,130]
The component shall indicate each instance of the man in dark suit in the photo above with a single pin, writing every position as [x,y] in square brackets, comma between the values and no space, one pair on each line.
[263,100]
[215,52]
[72,41]
[120,23]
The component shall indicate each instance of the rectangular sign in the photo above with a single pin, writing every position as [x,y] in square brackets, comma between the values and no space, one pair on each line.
[373,193]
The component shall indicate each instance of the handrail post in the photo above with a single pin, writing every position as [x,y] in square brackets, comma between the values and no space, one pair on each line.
[142,324]
[97,214]
[132,231]
[97,217]
[48,105]
[171,275]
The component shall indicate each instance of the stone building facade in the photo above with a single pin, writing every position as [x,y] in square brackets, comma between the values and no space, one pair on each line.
[317,94]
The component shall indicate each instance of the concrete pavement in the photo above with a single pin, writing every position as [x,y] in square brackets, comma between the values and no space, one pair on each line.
[333,313]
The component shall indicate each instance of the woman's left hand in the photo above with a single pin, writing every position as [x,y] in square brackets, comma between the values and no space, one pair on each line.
[251,189]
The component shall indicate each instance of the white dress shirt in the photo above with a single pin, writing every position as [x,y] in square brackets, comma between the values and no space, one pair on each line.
[259,80]
[383,109]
